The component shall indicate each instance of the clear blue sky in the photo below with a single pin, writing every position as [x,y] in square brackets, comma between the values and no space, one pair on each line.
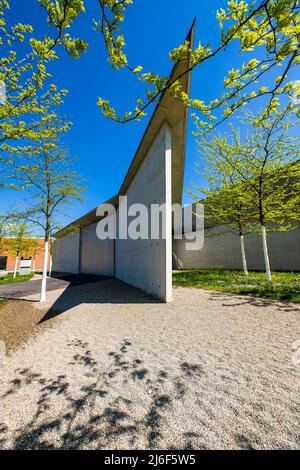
[152,28]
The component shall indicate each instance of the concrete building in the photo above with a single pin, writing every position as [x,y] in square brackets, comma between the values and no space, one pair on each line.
[155,176]
[222,251]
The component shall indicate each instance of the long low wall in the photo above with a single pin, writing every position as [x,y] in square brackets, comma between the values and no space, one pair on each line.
[82,252]
[96,256]
[66,253]
[223,251]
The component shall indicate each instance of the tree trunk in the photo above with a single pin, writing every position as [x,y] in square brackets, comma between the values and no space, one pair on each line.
[245,268]
[45,270]
[266,254]
[50,267]
[47,231]
[33,269]
[16,266]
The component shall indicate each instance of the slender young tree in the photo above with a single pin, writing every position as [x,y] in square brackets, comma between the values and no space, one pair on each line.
[267,164]
[51,183]
[228,209]
[225,204]
[271,160]
[19,242]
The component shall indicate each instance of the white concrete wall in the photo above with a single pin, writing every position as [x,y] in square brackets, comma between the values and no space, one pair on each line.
[147,264]
[224,252]
[97,256]
[66,253]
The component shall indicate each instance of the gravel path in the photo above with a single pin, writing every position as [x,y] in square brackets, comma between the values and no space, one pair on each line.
[19,322]
[119,370]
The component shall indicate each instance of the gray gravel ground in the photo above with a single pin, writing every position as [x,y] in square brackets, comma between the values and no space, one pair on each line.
[119,370]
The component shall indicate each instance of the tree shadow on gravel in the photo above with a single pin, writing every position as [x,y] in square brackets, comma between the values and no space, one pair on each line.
[3,431]
[97,417]
[236,300]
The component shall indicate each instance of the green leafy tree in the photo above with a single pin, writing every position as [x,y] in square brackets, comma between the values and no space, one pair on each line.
[267,32]
[225,205]
[14,152]
[267,164]
[19,242]
[268,28]
[26,103]
[47,174]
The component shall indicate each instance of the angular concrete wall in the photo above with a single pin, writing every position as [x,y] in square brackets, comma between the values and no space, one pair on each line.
[224,252]
[147,264]
[66,253]
[97,256]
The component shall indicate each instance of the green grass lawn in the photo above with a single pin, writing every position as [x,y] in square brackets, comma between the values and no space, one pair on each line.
[10,278]
[284,286]
[2,303]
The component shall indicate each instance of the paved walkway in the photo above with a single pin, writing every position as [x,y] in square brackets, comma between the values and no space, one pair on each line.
[30,290]
[119,370]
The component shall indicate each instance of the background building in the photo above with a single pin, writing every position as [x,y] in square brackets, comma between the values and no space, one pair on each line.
[222,251]
[35,255]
